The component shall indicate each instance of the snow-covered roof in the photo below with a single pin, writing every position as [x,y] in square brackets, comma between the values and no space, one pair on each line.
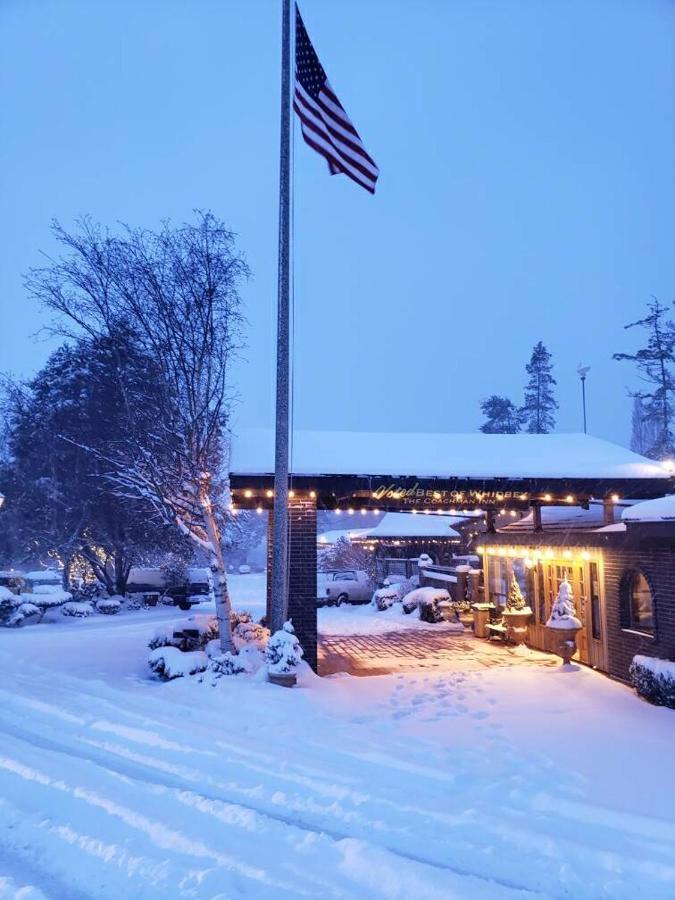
[334,535]
[443,455]
[401,524]
[660,510]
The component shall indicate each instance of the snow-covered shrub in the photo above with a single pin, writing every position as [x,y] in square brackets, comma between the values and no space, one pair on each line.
[163,637]
[430,611]
[14,610]
[9,603]
[134,602]
[170,662]
[385,597]
[109,606]
[425,596]
[239,618]
[563,613]
[284,652]
[424,561]
[654,680]
[46,597]
[25,612]
[251,633]
[77,609]
[226,664]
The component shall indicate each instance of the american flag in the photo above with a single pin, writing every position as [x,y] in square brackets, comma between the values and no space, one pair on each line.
[326,127]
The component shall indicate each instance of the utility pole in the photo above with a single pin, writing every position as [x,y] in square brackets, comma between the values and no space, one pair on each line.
[279,600]
[583,371]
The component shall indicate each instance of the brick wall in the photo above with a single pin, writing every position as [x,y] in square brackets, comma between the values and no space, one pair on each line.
[302,573]
[658,565]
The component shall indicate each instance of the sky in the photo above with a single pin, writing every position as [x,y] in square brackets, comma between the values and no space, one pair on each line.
[526,193]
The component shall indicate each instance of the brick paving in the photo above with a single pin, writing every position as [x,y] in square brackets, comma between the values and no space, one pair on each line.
[411,650]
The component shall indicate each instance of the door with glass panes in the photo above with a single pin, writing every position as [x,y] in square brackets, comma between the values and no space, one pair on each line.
[584,578]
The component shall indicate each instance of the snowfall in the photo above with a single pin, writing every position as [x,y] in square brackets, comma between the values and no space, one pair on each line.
[504,783]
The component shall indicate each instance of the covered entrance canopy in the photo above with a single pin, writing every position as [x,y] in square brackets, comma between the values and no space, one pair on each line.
[399,471]
[460,473]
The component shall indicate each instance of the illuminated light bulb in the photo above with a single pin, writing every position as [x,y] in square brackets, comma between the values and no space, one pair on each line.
[291,493]
[259,510]
[480,549]
[426,512]
[567,554]
[312,494]
[376,511]
[569,498]
[338,512]
[414,512]
[615,498]
[269,493]
[350,511]
[585,555]
[513,513]
[503,512]
[530,563]
[364,511]
[548,552]
[248,493]
[547,498]
[523,496]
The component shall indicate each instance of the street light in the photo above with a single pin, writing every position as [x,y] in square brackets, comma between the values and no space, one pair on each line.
[582,372]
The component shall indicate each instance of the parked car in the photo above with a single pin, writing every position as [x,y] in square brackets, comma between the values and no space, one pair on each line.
[197,587]
[343,586]
[244,569]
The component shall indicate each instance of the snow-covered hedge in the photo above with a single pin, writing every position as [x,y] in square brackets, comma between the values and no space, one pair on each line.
[109,606]
[14,610]
[385,597]
[251,633]
[77,609]
[170,662]
[428,600]
[654,680]
[226,664]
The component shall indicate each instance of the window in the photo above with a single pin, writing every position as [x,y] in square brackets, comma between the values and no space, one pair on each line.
[637,602]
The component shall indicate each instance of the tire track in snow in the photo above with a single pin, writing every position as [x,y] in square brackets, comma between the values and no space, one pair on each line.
[143,775]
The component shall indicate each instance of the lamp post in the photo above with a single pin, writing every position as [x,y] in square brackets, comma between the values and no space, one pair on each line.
[582,372]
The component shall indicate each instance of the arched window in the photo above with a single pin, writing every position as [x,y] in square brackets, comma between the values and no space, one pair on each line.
[637,602]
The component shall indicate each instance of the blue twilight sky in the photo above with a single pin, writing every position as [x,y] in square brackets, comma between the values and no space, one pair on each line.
[527,193]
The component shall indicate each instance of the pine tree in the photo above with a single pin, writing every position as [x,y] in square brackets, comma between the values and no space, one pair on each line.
[515,600]
[538,410]
[502,416]
[654,363]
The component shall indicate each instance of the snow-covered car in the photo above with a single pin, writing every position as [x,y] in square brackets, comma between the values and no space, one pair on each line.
[197,587]
[343,586]
[244,569]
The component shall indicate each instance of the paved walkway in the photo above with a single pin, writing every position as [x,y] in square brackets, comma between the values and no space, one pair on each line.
[412,650]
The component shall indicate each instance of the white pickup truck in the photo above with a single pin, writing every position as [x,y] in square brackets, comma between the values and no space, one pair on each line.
[343,586]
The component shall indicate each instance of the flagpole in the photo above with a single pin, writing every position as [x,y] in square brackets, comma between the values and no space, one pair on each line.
[279,595]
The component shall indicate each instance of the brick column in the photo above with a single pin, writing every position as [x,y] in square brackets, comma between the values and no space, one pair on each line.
[302,573]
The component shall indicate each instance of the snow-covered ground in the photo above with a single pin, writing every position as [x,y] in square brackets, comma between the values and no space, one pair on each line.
[504,783]
[367,620]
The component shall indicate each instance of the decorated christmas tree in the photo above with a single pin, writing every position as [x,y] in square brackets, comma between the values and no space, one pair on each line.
[563,612]
[515,602]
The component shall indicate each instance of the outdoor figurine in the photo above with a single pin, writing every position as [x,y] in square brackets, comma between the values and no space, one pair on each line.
[563,623]
[517,614]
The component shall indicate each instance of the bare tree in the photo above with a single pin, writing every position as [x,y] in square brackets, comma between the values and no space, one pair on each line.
[177,292]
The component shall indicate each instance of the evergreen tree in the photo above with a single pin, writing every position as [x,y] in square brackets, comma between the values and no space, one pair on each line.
[501,416]
[654,363]
[538,410]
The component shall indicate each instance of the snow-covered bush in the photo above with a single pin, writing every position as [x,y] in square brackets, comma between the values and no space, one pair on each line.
[163,637]
[563,613]
[46,597]
[654,680]
[424,561]
[251,633]
[170,662]
[226,664]
[14,610]
[109,606]
[385,597]
[428,600]
[284,653]
[77,609]
[239,618]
